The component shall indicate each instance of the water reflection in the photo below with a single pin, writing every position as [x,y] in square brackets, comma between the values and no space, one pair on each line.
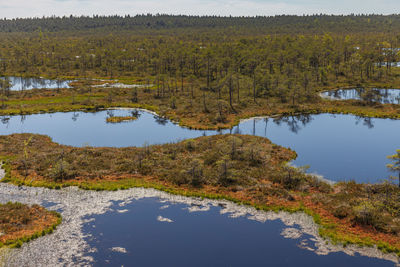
[339,147]
[385,64]
[78,128]
[384,96]
[368,122]
[21,83]
[294,123]
[146,227]
[75,116]
[135,113]
[216,238]
[6,119]
[160,120]
[110,113]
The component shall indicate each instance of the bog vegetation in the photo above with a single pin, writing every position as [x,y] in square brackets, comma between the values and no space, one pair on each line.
[21,223]
[207,72]
[198,71]
[245,169]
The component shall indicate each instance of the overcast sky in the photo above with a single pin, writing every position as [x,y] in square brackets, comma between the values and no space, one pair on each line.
[38,8]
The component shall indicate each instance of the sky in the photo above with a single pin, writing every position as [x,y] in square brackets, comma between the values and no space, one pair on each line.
[39,8]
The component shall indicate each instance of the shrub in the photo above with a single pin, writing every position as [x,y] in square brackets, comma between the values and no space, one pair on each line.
[225,176]
[253,155]
[369,214]
[291,179]
[195,173]
[190,145]
[61,171]
[341,211]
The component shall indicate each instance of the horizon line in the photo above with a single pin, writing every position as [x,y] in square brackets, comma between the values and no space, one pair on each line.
[201,16]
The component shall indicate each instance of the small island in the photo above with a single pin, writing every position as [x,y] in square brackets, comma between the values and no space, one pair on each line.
[119,119]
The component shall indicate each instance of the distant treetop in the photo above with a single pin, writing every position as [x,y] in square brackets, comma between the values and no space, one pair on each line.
[308,24]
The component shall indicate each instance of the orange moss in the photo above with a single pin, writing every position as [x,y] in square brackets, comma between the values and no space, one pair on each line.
[23,222]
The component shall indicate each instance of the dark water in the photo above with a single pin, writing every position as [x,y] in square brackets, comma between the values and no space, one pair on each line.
[200,239]
[339,147]
[20,83]
[386,96]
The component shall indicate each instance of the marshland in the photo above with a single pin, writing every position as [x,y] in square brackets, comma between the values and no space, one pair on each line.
[162,134]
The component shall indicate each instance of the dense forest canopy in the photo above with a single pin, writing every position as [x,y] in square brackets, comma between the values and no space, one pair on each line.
[314,24]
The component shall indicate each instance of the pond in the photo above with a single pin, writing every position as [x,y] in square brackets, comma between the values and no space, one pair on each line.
[21,83]
[386,96]
[146,227]
[338,147]
[202,238]
[80,128]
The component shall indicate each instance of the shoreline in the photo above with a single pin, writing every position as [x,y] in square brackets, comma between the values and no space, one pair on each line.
[319,176]
[337,230]
[37,233]
[101,202]
[181,122]
[193,121]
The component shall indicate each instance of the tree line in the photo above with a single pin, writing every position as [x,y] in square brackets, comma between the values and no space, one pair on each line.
[282,24]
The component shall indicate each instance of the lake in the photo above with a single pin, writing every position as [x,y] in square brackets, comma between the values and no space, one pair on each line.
[146,227]
[338,147]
